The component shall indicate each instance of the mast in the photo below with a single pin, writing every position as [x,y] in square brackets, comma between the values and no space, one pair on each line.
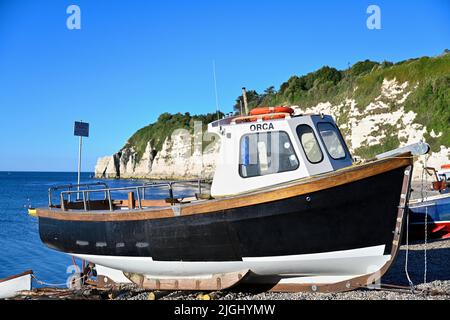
[215,89]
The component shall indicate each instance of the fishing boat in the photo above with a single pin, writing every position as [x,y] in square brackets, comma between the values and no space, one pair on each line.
[434,210]
[288,208]
[11,286]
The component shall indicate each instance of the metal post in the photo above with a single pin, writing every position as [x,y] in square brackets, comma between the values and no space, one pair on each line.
[79,167]
[170,191]
[50,198]
[63,207]
[244,96]
[139,197]
[84,200]
[109,201]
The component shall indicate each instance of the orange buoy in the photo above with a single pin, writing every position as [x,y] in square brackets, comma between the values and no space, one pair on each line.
[265,113]
[274,116]
[268,110]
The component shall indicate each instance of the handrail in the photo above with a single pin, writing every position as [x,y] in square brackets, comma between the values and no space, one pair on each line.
[139,188]
[70,186]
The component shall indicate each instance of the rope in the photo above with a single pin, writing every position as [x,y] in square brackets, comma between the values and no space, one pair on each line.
[424,195]
[83,277]
[425,256]
[425,262]
[56,284]
[411,284]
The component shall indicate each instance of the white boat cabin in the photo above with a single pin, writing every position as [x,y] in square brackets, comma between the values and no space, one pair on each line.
[272,148]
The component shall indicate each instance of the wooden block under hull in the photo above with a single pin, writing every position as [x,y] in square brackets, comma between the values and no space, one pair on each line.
[215,282]
[322,284]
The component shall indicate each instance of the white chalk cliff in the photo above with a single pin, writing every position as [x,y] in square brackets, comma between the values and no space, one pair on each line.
[179,158]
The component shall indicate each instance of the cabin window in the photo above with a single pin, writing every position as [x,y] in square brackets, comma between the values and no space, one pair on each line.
[265,153]
[309,143]
[330,137]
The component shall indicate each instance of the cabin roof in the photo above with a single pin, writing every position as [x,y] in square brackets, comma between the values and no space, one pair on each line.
[229,120]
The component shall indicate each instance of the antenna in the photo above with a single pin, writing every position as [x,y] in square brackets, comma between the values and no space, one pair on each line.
[215,89]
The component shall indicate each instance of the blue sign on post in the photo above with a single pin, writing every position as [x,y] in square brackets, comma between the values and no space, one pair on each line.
[81,129]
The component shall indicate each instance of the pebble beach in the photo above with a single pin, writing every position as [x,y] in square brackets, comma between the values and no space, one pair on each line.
[435,287]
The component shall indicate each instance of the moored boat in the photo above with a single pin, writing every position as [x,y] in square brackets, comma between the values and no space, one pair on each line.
[432,210]
[287,207]
[11,286]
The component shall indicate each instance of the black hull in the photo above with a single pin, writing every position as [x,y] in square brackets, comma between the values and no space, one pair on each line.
[358,214]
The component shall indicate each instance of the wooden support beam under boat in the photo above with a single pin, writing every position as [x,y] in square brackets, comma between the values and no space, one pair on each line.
[213,283]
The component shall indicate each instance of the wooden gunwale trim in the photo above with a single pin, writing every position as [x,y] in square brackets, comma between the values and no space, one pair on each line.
[16,276]
[280,192]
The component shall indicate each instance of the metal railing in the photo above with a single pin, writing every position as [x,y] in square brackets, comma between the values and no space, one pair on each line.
[140,191]
[69,187]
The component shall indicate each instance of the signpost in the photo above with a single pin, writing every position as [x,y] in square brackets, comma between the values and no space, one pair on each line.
[81,129]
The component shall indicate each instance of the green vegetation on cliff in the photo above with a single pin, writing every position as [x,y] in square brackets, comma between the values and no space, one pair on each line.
[157,132]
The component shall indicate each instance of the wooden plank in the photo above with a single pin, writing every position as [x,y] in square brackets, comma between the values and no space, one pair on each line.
[131,201]
[215,282]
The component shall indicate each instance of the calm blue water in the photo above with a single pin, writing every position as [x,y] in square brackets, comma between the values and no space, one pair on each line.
[21,247]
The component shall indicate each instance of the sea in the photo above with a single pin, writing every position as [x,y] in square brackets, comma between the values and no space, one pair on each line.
[20,246]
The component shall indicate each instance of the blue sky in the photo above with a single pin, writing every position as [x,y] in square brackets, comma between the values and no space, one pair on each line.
[133,60]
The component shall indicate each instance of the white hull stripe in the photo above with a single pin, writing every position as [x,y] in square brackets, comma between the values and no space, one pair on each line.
[342,263]
[362,252]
